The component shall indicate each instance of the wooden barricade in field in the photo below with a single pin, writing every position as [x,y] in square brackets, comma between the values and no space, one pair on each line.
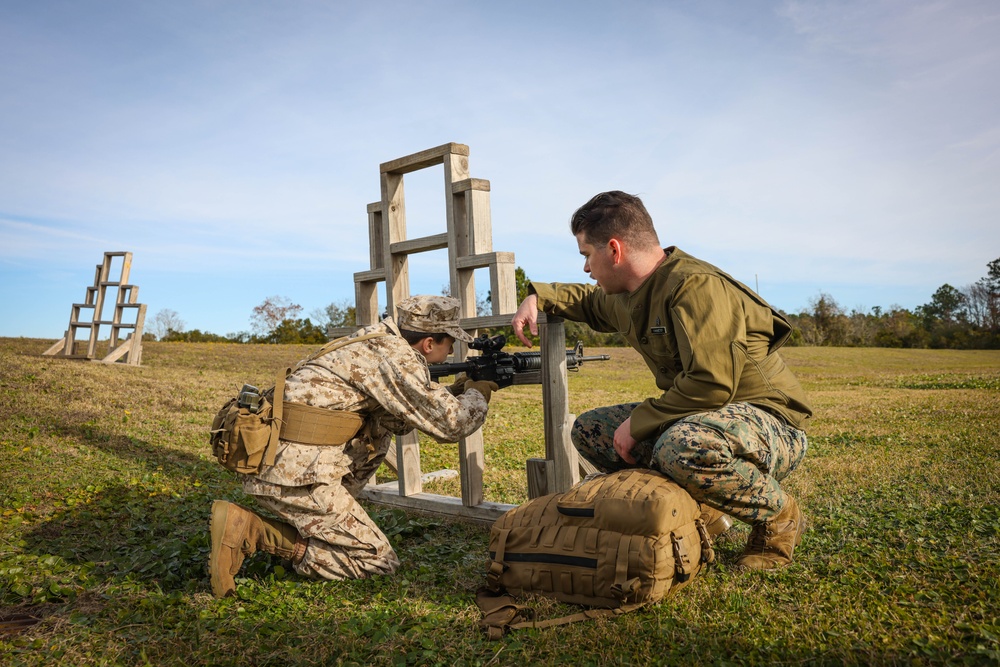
[127,348]
[469,241]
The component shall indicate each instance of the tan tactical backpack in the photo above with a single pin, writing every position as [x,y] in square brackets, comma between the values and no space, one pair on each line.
[614,542]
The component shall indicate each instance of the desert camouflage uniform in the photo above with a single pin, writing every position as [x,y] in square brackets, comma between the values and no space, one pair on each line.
[314,488]
[727,426]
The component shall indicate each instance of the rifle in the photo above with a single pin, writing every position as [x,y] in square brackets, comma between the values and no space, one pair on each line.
[501,367]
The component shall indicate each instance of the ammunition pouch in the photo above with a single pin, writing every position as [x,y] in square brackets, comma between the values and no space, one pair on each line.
[240,438]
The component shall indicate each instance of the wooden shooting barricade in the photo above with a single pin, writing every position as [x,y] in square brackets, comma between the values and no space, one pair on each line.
[128,349]
[469,241]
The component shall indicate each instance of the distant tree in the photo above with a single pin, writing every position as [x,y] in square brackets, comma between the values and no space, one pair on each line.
[296,332]
[272,312]
[825,324]
[900,328]
[980,307]
[521,284]
[337,314]
[194,336]
[166,321]
[861,327]
[946,307]
[992,285]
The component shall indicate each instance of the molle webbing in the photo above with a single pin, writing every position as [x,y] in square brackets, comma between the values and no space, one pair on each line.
[615,541]
[308,425]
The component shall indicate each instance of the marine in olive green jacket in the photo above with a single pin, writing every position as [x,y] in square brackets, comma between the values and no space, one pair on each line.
[708,339]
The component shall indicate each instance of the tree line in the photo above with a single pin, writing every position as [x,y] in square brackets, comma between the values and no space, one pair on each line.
[961,319]
[967,318]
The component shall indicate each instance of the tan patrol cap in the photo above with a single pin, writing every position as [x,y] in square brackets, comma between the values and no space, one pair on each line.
[431,314]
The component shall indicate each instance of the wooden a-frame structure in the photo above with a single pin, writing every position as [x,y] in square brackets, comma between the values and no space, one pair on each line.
[469,241]
[88,316]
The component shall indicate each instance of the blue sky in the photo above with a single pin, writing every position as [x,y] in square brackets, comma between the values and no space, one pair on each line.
[850,148]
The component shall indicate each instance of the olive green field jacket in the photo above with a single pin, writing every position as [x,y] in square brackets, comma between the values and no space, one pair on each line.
[708,339]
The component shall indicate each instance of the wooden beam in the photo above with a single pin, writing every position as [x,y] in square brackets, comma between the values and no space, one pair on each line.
[118,352]
[423,159]
[373,276]
[365,302]
[432,503]
[56,347]
[422,244]
[484,260]
[479,184]
[397,286]
[494,321]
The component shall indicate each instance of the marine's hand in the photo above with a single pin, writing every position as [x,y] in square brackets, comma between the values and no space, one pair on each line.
[484,387]
[458,386]
[527,314]
[624,442]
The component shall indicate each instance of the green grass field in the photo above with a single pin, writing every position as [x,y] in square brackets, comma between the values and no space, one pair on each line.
[106,481]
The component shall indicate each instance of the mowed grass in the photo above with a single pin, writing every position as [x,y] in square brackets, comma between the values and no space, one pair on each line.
[106,482]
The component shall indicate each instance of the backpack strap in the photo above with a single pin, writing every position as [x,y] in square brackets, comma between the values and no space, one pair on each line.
[272,442]
[336,344]
[502,614]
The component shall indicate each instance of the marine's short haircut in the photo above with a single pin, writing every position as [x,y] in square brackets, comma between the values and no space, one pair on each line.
[614,214]
[414,337]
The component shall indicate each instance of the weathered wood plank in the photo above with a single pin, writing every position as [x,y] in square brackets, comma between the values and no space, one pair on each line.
[408,463]
[422,244]
[423,159]
[555,397]
[431,503]
[471,460]
[540,473]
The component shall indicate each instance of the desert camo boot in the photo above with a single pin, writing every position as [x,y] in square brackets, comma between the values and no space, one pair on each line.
[236,533]
[716,522]
[773,542]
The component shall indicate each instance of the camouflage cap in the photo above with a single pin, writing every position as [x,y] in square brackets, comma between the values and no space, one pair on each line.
[431,314]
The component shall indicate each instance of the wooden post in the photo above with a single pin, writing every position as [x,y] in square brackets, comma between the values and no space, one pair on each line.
[408,462]
[555,400]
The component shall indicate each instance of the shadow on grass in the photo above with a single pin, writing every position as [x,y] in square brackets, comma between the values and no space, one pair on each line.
[172,461]
[131,530]
[148,521]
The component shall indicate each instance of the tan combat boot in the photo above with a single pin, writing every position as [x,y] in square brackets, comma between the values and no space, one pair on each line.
[773,542]
[236,533]
[716,522]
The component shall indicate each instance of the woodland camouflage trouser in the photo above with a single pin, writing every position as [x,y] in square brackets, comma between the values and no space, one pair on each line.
[344,542]
[731,459]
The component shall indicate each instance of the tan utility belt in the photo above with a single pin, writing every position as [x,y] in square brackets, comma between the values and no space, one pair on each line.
[308,425]
[243,441]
